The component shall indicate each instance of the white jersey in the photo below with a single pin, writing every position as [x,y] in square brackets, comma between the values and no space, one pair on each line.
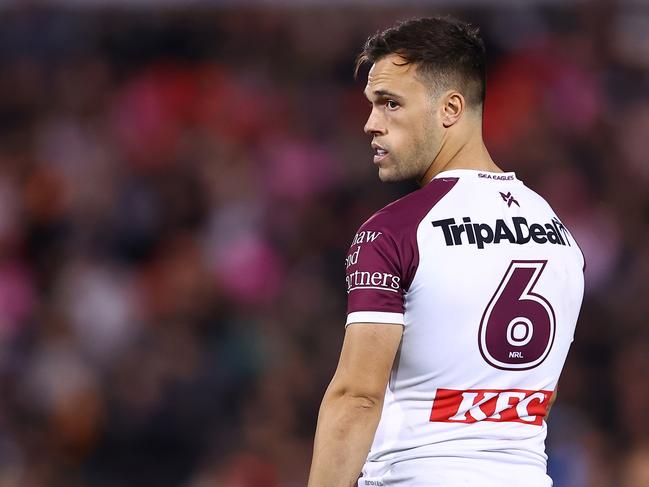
[487,283]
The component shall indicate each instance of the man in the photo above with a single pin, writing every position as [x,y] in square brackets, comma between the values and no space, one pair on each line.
[463,296]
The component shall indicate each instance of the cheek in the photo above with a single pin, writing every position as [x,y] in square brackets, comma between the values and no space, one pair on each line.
[420,124]
[412,136]
[429,134]
[405,130]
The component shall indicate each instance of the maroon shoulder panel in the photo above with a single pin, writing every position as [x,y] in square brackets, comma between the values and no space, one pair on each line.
[384,256]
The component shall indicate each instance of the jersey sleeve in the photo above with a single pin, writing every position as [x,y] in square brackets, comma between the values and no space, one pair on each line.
[377,271]
[384,256]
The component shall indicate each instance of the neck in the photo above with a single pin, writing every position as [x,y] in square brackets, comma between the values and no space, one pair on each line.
[471,153]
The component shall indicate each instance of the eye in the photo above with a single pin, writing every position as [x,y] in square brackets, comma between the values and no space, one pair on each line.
[391,105]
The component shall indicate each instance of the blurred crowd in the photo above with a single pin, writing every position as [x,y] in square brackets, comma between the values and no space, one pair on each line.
[178,190]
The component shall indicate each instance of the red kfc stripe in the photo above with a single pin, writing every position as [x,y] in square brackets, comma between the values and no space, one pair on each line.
[499,405]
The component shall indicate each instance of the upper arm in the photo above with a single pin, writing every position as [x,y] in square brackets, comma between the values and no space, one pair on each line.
[366,360]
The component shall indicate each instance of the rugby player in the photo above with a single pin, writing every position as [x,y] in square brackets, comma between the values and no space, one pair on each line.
[462,296]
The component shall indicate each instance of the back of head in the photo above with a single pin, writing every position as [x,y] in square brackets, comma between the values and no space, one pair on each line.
[448,53]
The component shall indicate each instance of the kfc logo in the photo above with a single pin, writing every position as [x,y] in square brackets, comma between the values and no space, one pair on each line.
[454,406]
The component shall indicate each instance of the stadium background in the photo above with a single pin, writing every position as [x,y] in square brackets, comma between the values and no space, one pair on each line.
[178,188]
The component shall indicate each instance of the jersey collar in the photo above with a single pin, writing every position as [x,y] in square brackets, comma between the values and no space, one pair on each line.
[456,173]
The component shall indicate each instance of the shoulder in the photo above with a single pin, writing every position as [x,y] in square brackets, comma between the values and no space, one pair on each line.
[407,212]
[386,243]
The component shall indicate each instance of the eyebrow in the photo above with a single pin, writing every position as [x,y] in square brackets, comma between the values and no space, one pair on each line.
[384,94]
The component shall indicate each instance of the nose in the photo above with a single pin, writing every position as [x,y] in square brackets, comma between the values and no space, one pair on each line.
[374,125]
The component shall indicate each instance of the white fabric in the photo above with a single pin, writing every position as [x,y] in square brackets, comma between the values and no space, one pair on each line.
[374,317]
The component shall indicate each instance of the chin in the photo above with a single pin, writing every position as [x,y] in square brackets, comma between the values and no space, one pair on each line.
[388,176]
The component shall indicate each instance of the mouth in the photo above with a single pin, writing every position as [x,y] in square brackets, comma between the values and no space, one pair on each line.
[379,153]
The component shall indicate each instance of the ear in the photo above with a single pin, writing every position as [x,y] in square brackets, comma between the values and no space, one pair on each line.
[453,106]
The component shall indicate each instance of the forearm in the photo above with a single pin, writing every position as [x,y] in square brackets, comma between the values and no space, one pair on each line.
[346,427]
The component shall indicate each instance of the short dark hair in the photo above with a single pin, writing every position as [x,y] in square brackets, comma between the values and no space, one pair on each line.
[447,51]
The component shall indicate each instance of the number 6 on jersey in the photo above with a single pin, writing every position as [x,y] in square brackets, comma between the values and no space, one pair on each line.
[517,327]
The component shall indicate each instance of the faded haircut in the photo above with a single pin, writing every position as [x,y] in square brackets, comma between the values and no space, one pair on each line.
[448,53]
